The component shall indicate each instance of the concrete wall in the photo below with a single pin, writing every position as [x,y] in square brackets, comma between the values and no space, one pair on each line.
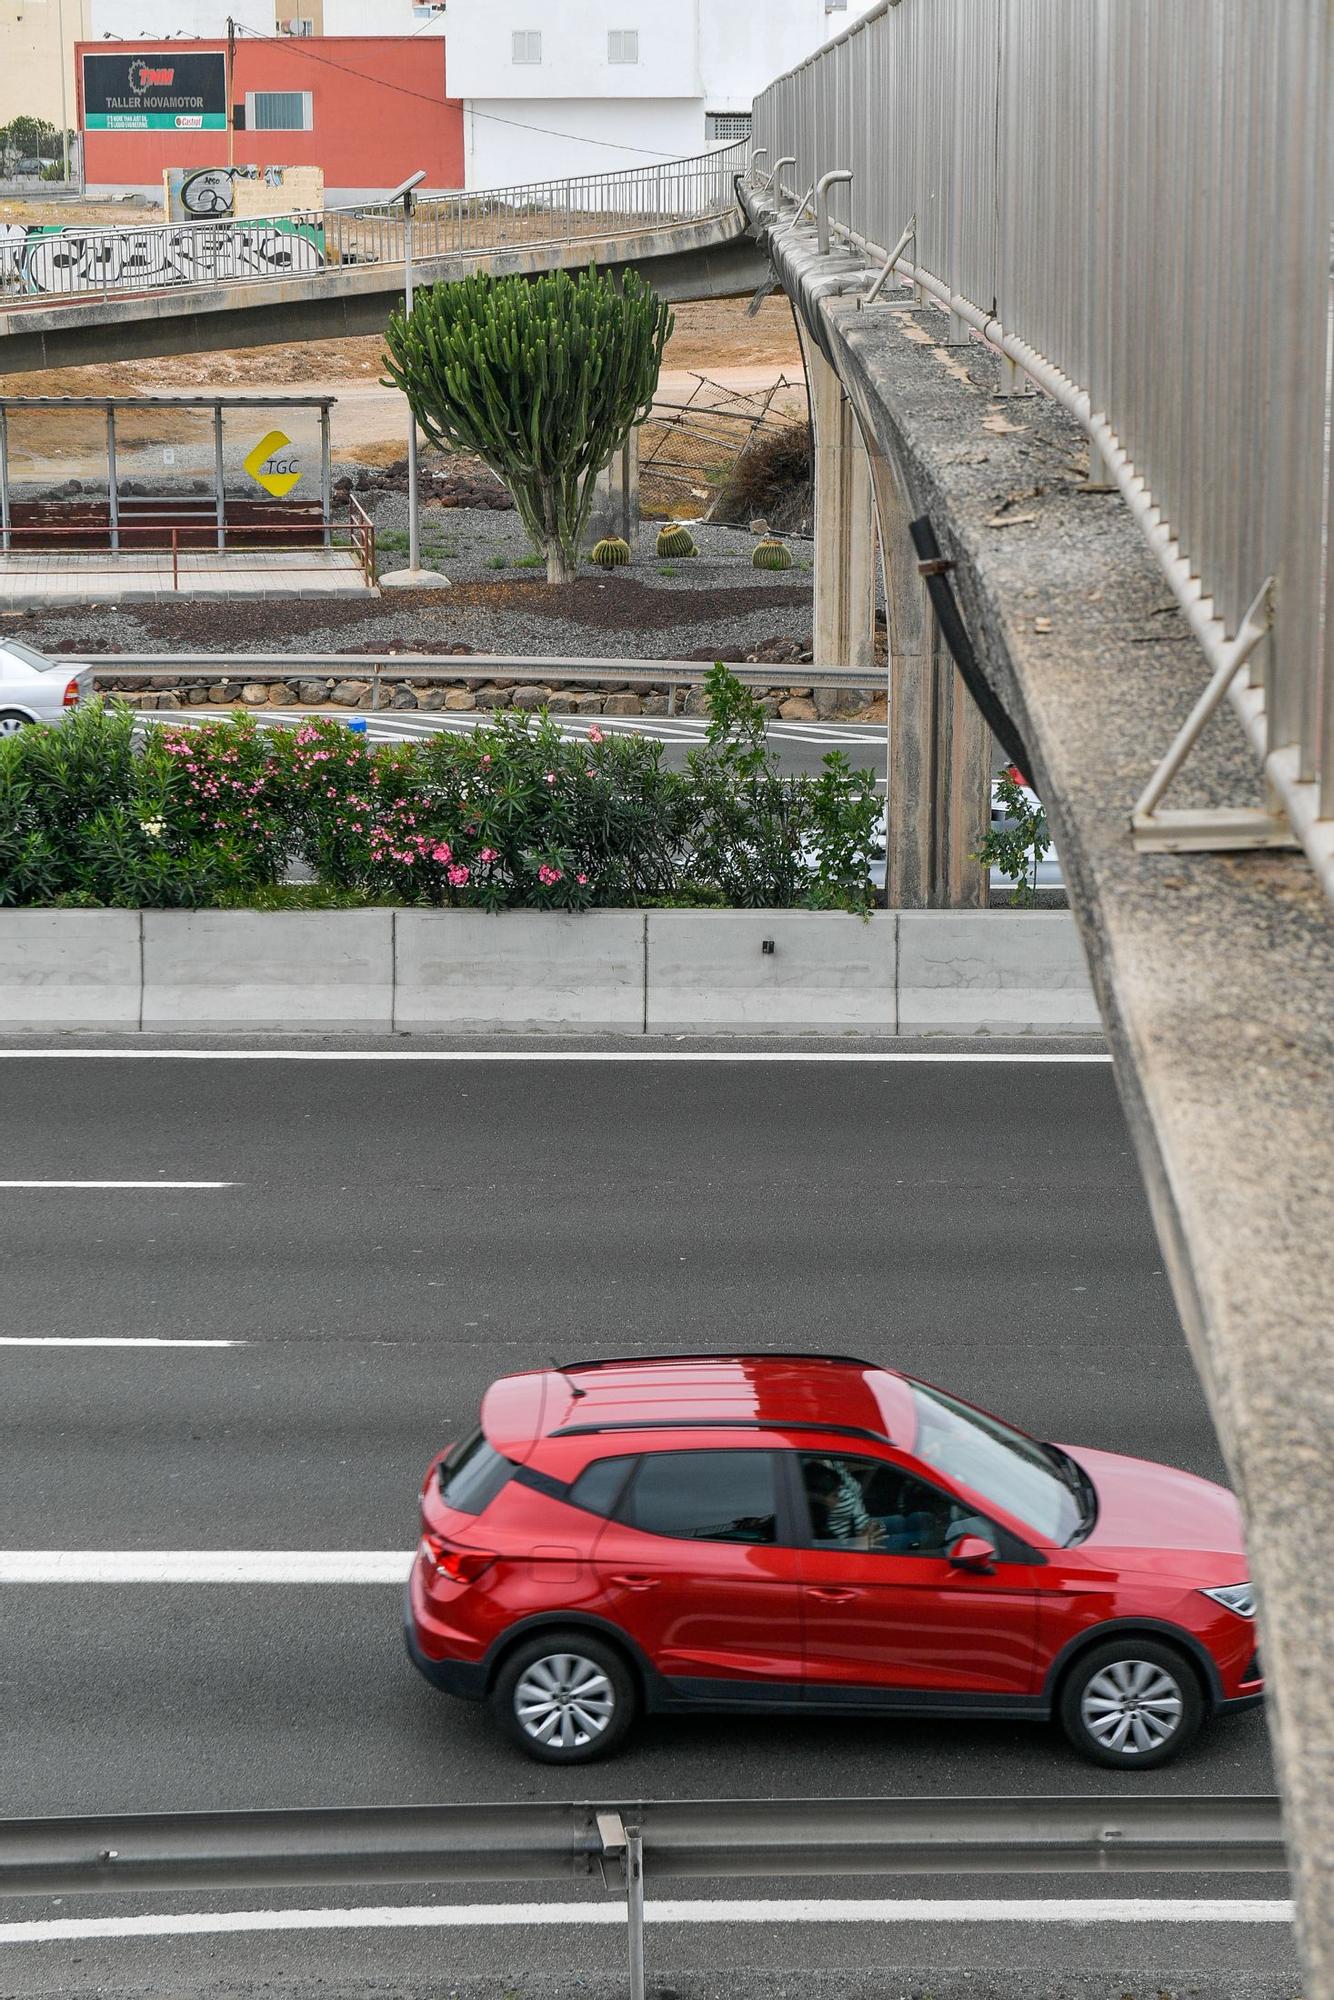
[612,972]
[504,142]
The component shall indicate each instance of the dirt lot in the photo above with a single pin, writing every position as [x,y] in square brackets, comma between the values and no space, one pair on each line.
[708,336]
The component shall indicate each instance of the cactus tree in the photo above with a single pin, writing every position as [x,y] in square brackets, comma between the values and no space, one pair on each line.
[543,378]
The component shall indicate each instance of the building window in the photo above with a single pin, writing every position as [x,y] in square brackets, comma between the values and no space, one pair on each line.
[727,124]
[622,45]
[527,46]
[278,111]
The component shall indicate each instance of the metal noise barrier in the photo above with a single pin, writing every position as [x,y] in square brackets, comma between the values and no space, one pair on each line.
[683,1839]
[1133,204]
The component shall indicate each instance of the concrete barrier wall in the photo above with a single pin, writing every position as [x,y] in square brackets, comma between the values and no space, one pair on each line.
[706,972]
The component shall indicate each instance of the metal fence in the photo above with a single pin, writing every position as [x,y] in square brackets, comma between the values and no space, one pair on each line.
[43,264]
[1132,201]
[686,1839]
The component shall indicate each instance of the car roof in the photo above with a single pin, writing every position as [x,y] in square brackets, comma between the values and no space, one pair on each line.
[694,1392]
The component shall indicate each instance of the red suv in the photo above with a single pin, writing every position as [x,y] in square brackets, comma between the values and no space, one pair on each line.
[779,1532]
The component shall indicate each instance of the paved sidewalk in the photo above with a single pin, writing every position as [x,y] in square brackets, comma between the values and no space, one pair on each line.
[41,581]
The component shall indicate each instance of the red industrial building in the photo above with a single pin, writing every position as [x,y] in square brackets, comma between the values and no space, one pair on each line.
[368,110]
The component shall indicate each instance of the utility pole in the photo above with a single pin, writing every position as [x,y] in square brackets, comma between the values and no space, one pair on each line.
[64,99]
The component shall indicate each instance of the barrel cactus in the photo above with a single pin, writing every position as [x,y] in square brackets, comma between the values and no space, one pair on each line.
[676,540]
[771,554]
[610,552]
[543,378]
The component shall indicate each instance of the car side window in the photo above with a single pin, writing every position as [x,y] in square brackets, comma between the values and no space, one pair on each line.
[600,1485]
[865,1503]
[705,1496]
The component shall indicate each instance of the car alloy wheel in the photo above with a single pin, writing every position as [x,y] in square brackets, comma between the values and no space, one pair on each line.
[10,723]
[1132,1707]
[1132,1702]
[565,1700]
[565,1697]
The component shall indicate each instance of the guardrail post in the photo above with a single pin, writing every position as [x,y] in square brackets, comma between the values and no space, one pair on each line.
[627,1843]
[375,685]
[634,1907]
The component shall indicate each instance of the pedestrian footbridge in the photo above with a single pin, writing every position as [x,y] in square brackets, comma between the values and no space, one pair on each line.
[72,296]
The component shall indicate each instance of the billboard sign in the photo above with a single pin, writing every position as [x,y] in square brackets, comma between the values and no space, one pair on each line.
[155,90]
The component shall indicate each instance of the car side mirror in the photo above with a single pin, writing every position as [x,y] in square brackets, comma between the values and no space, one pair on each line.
[973,1552]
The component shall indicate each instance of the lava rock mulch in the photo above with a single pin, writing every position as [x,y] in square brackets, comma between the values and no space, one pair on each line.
[713,606]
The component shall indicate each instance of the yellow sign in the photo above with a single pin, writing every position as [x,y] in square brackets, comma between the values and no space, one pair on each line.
[272,464]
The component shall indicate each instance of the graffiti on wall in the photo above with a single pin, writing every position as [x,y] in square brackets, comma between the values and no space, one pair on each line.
[53,261]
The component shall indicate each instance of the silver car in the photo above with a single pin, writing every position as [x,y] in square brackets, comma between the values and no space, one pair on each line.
[35,689]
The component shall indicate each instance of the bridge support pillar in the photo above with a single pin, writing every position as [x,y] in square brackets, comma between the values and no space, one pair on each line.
[939,758]
[844,634]
[616,498]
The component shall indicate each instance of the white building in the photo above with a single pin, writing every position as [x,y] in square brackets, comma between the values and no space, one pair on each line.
[595,84]
[166,20]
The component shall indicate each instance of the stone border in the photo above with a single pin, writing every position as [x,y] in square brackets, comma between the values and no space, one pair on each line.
[794,701]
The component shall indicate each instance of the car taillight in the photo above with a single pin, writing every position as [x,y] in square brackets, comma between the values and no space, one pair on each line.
[455,1564]
[71,696]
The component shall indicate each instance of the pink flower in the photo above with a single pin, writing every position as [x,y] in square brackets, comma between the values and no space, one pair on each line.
[582,880]
[458,876]
[547,876]
[595,734]
[442,852]
[551,777]
[489,854]
[487,758]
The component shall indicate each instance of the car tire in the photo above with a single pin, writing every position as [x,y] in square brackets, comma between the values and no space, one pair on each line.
[1131,1703]
[565,1698]
[12,720]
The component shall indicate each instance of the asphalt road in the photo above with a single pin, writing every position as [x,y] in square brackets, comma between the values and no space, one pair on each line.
[799,747]
[391,1236]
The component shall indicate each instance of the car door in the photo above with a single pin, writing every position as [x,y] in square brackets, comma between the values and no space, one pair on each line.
[885,1610]
[699,1568]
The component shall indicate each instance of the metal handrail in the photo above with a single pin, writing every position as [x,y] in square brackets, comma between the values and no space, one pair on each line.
[74,264]
[1203,392]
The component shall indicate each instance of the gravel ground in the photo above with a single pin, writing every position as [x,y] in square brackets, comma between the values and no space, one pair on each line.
[713,604]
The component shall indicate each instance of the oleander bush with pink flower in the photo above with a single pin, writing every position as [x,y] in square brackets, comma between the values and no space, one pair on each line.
[507,815]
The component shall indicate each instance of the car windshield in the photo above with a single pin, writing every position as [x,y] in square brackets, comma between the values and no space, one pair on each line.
[28,657]
[1021,1477]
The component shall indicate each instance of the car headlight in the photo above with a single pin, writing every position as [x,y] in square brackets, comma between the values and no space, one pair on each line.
[1238,1597]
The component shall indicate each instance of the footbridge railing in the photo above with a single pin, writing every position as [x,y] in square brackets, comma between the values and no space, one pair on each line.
[42,265]
[1132,202]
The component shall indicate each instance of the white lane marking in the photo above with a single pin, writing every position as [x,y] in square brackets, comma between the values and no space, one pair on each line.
[390,725]
[117,1184]
[993,1056]
[106,1340]
[799,1910]
[204,1565]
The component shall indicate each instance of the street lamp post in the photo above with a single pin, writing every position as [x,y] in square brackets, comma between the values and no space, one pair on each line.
[414,577]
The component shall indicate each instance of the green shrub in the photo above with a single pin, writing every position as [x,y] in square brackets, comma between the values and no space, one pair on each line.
[509,815]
